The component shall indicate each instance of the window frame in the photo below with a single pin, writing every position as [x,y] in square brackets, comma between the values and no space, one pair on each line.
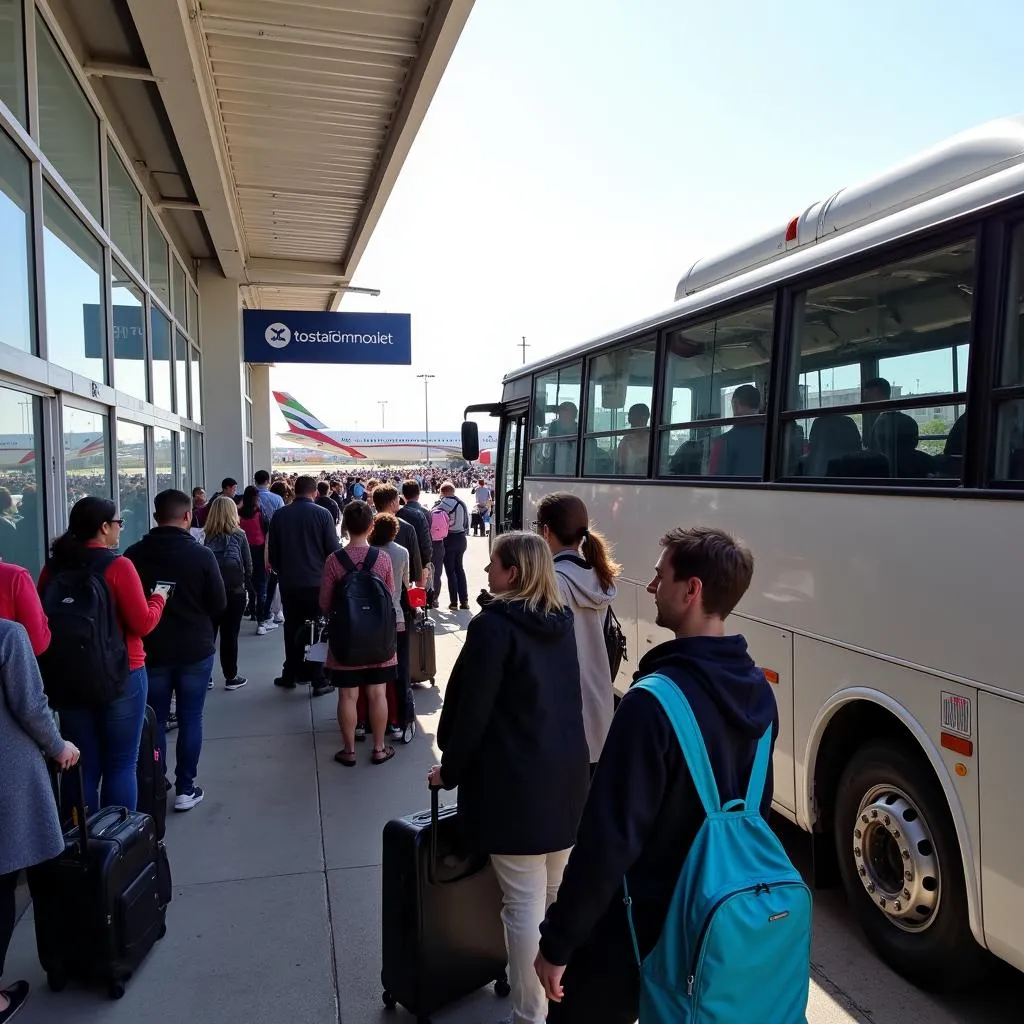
[584,365]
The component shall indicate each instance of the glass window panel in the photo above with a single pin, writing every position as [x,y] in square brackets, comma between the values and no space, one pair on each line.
[184,464]
[12,58]
[86,454]
[125,210]
[248,418]
[905,326]
[915,444]
[617,454]
[22,533]
[159,266]
[17,325]
[1010,441]
[1011,370]
[621,384]
[160,329]
[132,481]
[68,129]
[163,458]
[178,295]
[193,313]
[556,406]
[129,335]
[249,452]
[180,373]
[75,322]
[719,451]
[198,463]
[195,367]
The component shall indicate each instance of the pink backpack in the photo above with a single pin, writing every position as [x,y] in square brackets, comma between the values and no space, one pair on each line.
[438,524]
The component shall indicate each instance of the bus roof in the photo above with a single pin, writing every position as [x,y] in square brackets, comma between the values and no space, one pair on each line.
[963,175]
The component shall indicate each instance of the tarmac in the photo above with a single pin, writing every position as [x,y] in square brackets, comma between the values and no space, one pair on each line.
[276,909]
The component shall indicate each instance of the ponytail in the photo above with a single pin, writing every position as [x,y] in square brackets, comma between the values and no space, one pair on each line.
[597,551]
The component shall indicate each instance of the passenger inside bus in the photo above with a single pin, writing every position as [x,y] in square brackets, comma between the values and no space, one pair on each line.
[740,450]
[631,456]
[895,435]
[831,437]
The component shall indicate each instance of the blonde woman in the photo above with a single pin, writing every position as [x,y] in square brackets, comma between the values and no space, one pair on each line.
[225,537]
[513,741]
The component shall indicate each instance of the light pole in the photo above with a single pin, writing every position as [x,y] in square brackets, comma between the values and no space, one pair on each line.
[426,378]
[381,404]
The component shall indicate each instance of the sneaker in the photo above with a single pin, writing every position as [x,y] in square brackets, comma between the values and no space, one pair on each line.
[16,996]
[360,732]
[453,607]
[279,618]
[268,624]
[261,630]
[172,722]
[395,732]
[464,606]
[186,801]
[235,684]
[322,689]
[285,684]
[209,685]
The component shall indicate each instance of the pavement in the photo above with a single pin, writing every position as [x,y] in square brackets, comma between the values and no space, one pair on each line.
[276,909]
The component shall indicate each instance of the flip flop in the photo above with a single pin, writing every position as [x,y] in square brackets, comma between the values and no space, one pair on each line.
[380,756]
[346,757]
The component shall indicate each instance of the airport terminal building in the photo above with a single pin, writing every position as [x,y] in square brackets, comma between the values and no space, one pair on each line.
[163,164]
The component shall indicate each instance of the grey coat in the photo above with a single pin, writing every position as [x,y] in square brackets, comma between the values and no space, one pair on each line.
[29,825]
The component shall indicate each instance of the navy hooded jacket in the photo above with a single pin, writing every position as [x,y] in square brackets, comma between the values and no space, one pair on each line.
[643,811]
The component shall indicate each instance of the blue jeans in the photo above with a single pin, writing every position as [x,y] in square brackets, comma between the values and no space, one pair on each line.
[189,684]
[108,738]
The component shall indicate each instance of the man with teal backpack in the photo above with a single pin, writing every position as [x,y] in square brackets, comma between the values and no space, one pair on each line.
[679,904]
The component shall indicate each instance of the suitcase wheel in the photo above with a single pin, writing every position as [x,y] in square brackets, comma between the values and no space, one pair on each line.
[502,988]
[57,981]
[388,999]
[410,733]
[115,989]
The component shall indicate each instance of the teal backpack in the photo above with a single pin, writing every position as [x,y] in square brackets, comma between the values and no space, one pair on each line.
[736,944]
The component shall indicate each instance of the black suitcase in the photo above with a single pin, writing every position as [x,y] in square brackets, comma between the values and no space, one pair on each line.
[101,905]
[441,930]
[422,652]
[150,775]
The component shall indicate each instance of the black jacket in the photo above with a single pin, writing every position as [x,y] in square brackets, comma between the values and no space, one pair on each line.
[413,512]
[643,811]
[327,502]
[512,731]
[302,536]
[185,632]
[407,538]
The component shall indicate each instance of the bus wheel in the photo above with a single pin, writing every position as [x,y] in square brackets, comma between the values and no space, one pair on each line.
[901,867]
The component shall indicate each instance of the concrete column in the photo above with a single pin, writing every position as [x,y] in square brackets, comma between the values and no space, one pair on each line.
[223,379]
[262,436]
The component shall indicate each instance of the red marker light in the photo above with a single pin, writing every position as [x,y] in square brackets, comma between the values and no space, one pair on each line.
[957,744]
[791,230]
[772,677]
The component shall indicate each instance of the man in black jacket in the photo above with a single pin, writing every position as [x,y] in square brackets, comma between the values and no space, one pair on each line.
[643,811]
[413,512]
[180,651]
[302,536]
[324,500]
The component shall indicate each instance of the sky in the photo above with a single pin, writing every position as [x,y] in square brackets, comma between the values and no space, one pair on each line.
[579,155]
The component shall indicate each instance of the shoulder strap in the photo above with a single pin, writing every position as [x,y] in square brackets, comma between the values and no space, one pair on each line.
[371,558]
[344,561]
[759,772]
[680,714]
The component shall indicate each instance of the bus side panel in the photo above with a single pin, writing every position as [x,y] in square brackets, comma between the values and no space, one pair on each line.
[1000,750]
[772,649]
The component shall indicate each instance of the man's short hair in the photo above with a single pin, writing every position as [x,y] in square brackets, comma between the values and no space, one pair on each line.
[383,496]
[747,396]
[410,490]
[357,518]
[261,477]
[228,482]
[322,488]
[879,384]
[171,505]
[447,487]
[723,564]
[305,486]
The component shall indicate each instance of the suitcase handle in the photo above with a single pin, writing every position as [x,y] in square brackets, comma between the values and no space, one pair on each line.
[121,815]
[432,856]
[80,813]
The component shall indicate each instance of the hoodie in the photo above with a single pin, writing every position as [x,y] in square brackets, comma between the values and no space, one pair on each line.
[643,811]
[589,605]
[511,731]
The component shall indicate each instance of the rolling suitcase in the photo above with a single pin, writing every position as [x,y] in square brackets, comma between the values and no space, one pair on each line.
[101,905]
[441,930]
[422,653]
[150,775]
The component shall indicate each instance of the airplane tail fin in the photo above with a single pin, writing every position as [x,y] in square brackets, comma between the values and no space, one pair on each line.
[296,415]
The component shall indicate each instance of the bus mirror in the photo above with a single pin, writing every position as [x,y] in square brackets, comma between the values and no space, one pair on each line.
[470,441]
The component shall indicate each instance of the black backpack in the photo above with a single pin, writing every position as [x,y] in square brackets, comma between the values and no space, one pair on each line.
[228,552]
[615,642]
[86,664]
[362,629]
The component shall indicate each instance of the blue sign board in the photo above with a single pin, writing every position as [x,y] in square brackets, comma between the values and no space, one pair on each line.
[284,336]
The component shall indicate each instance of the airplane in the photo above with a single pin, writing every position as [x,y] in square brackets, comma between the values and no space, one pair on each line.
[374,446]
[18,451]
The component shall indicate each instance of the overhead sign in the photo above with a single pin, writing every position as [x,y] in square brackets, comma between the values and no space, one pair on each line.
[284,336]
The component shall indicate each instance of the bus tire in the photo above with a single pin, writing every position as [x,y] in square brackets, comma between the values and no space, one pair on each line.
[901,867]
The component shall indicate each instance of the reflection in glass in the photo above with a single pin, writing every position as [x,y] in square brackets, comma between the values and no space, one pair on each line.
[17,325]
[132,484]
[195,367]
[12,58]
[164,444]
[180,373]
[178,294]
[619,383]
[1011,370]
[159,268]
[125,210]
[197,460]
[719,451]
[1010,441]
[75,323]
[193,313]
[616,454]
[160,330]
[184,471]
[68,128]
[129,335]
[86,454]
[22,534]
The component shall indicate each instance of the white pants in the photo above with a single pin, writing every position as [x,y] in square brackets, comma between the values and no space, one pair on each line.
[529,885]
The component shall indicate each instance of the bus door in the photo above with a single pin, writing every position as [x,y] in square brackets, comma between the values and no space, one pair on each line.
[510,471]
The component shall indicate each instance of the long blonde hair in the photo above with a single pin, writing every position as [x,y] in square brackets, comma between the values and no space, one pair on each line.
[535,582]
[222,517]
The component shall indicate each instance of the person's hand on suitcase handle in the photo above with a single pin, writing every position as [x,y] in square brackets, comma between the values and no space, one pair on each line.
[69,756]
[434,779]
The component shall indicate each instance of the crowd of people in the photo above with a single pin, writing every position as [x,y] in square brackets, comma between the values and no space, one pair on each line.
[571,800]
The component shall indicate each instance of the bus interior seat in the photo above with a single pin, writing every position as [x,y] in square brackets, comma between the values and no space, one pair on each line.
[895,435]
[863,465]
[831,437]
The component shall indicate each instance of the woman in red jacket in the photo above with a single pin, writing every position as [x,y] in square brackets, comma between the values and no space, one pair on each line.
[108,735]
[19,602]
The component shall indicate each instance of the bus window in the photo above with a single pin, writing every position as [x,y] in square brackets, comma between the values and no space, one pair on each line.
[555,422]
[1009,454]
[717,371]
[897,335]
[620,390]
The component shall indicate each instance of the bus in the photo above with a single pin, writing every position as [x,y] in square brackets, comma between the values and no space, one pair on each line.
[846,394]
